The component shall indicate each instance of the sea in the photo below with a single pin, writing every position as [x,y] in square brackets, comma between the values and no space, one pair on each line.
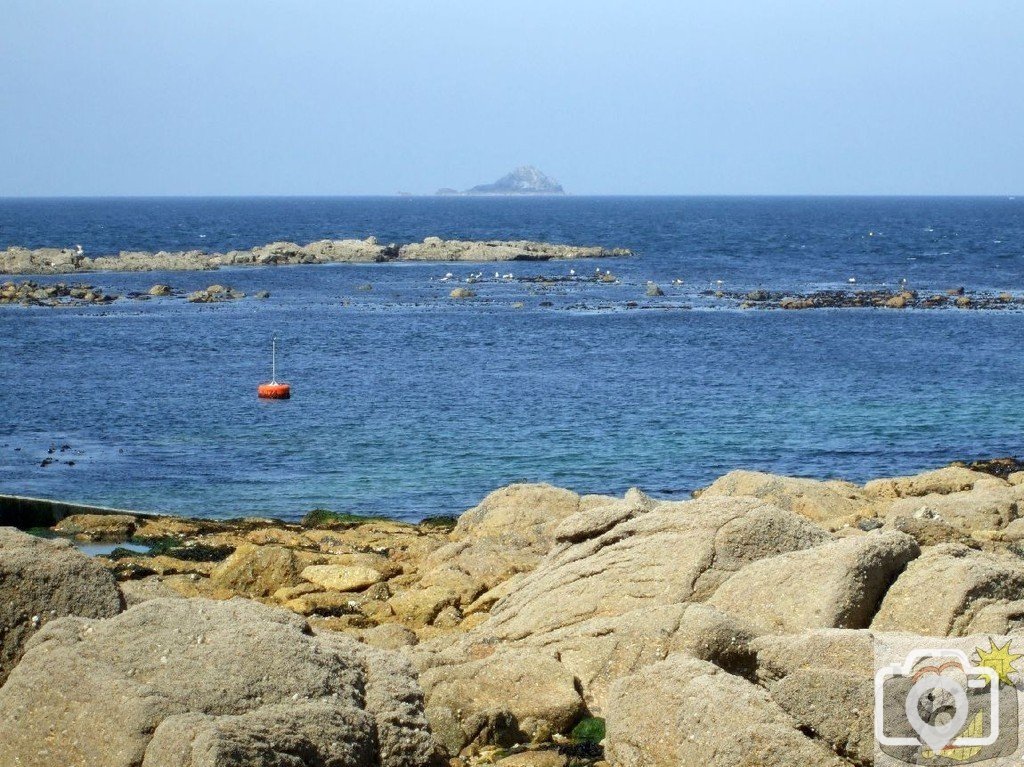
[407,403]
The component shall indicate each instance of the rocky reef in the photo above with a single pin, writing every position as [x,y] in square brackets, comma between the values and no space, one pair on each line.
[17,260]
[878,298]
[542,627]
[30,293]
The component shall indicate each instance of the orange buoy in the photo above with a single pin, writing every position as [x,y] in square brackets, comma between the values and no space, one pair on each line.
[274,390]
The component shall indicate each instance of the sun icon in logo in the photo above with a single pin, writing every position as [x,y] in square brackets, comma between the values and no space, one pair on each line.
[999,659]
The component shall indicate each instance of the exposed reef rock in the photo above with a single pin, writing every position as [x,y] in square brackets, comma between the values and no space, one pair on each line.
[879,298]
[28,293]
[16,260]
[214,294]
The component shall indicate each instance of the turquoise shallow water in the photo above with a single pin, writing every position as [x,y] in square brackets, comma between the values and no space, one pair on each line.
[407,403]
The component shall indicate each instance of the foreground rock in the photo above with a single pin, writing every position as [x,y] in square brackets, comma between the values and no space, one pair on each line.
[988,504]
[755,607]
[625,584]
[950,479]
[814,499]
[506,534]
[507,698]
[342,577]
[807,700]
[824,681]
[948,502]
[259,571]
[941,592]
[676,553]
[601,650]
[42,580]
[684,711]
[836,585]
[17,260]
[97,527]
[192,682]
[611,601]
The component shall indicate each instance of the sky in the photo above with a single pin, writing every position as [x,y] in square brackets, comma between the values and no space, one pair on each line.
[252,97]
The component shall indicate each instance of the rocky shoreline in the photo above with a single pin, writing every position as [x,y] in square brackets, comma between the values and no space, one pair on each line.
[541,628]
[17,260]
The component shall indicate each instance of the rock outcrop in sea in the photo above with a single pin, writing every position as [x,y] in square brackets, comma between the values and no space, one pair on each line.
[543,627]
[524,180]
[17,260]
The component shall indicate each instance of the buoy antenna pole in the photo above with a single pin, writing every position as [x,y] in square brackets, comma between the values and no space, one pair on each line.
[273,360]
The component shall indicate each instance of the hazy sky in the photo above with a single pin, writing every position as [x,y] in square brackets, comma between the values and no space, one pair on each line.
[372,97]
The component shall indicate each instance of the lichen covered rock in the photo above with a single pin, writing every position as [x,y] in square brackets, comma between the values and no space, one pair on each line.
[180,683]
[41,580]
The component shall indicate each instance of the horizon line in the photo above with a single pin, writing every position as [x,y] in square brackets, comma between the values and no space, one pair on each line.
[617,195]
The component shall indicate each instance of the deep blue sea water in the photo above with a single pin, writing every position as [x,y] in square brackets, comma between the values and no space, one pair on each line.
[407,403]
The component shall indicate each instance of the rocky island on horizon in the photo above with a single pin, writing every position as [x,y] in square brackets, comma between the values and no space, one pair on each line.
[526,179]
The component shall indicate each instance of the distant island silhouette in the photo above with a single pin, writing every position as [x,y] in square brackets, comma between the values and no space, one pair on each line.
[525,179]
